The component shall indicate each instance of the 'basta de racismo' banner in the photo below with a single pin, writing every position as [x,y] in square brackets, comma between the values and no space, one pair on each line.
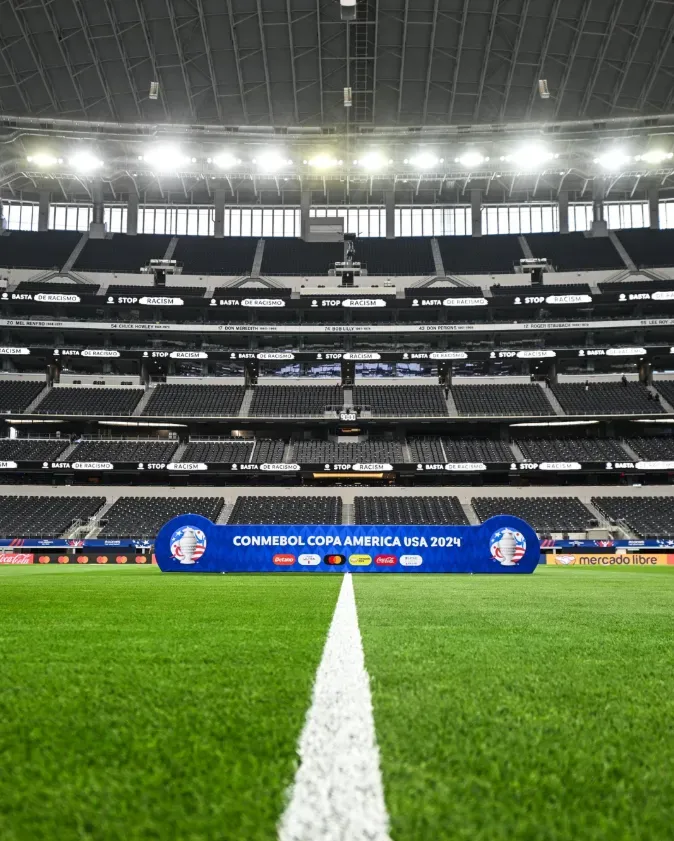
[191,543]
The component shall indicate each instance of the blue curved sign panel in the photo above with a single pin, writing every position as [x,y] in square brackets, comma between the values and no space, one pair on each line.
[191,543]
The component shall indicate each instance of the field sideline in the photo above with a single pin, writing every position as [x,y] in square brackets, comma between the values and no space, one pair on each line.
[136,705]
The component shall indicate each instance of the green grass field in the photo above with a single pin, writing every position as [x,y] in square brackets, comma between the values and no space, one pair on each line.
[136,705]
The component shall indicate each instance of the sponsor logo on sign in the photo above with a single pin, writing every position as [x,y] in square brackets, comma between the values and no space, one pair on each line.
[360,560]
[565,560]
[309,560]
[92,465]
[18,559]
[507,547]
[189,354]
[334,560]
[385,560]
[187,544]
[411,560]
[15,351]
[187,465]
[284,560]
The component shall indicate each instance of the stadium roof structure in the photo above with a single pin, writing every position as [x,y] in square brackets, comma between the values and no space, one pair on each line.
[444,75]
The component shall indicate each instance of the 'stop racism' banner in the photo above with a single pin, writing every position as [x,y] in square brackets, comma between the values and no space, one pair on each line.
[503,544]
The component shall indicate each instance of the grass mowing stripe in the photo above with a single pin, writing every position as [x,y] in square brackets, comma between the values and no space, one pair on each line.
[338,794]
[524,707]
[136,705]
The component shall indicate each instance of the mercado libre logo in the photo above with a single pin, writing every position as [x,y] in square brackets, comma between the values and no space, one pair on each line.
[507,547]
[188,544]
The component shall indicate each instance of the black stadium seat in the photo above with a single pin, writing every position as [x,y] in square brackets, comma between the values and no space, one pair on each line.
[648,517]
[480,255]
[297,257]
[46,515]
[400,256]
[571,449]
[366,452]
[279,510]
[295,401]
[122,252]
[409,511]
[143,516]
[195,400]
[575,252]
[65,400]
[209,256]
[401,400]
[545,514]
[16,395]
[605,398]
[37,250]
[32,449]
[106,450]
[501,399]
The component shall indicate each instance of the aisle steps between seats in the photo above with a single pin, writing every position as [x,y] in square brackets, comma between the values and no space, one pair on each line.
[244,411]
[144,400]
[30,408]
[554,402]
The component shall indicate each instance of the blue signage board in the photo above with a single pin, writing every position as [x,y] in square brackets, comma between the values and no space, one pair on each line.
[191,543]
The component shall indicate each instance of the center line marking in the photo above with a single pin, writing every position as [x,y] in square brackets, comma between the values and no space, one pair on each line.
[338,794]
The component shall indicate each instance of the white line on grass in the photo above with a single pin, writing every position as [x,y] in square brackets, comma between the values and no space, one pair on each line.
[338,793]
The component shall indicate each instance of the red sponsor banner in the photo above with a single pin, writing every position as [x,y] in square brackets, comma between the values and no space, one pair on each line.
[284,560]
[16,558]
[386,560]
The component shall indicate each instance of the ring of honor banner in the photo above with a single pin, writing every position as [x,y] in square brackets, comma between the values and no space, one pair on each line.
[191,543]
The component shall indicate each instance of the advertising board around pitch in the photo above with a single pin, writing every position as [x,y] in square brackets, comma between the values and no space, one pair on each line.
[501,545]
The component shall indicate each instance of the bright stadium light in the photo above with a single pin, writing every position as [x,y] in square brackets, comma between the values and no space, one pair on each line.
[271,162]
[225,160]
[323,162]
[166,158]
[530,157]
[425,160]
[85,162]
[615,159]
[471,160]
[44,160]
[655,156]
[373,161]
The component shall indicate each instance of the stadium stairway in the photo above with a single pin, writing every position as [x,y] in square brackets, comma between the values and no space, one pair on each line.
[554,402]
[289,453]
[223,516]
[179,453]
[407,455]
[31,406]
[437,257]
[65,455]
[75,253]
[519,455]
[244,411]
[451,405]
[144,400]
[100,515]
[257,260]
[469,511]
[348,397]
[630,452]
[665,405]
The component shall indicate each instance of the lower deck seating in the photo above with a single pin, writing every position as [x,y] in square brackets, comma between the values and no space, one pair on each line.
[279,510]
[409,511]
[654,448]
[476,449]
[143,516]
[45,515]
[648,517]
[545,514]
[17,395]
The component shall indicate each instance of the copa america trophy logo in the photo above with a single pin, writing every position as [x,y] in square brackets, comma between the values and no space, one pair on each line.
[188,545]
[507,547]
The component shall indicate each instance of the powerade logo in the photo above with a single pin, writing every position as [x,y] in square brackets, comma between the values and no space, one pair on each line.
[360,560]
[188,545]
[507,547]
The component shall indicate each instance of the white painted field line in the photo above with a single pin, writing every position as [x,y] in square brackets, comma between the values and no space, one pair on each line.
[338,794]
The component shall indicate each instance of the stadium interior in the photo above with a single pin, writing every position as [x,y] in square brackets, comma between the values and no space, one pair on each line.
[342,262]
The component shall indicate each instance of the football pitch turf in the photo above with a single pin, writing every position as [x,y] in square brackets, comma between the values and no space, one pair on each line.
[136,705]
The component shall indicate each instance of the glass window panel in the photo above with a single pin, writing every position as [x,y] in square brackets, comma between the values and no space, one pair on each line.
[267,222]
[256,228]
[406,222]
[59,218]
[289,228]
[246,222]
[181,220]
[417,222]
[377,222]
[351,225]
[438,222]
[503,224]
[427,221]
[278,222]
[547,219]
[515,220]
[236,222]
[159,221]
[363,222]
[193,221]
[298,222]
[613,215]
[14,217]
[396,222]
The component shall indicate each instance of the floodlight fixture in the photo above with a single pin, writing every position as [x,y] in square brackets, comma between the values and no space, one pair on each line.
[166,158]
[425,160]
[85,162]
[655,156]
[323,162]
[348,9]
[225,160]
[471,160]
[271,162]
[530,157]
[613,159]
[44,160]
[373,161]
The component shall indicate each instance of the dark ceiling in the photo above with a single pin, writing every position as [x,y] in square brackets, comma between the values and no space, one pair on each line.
[286,62]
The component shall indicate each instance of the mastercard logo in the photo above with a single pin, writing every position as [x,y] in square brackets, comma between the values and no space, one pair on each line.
[63,559]
[141,559]
[121,559]
[386,560]
[284,560]
[43,559]
[102,559]
[334,560]
[82,559]
[360,560]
